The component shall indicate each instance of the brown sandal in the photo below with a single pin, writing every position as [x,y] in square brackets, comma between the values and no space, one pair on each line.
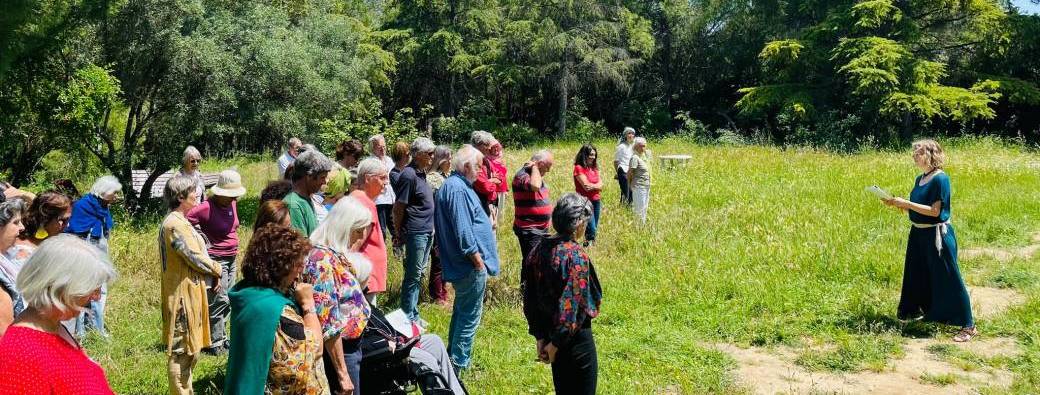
[965,335]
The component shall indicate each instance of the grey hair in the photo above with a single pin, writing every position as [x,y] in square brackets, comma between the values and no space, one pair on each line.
[541,155]
[480,137]
[11,208]
[189,153]
[571,210]
[367,167]
[346,216]
[440,155]
[638,141]
[307,147]
[628,129]
[421,144]
[373,139]
[467,155]
[310,162]
[64,269]
[177,188]
[294,141]
[105,185]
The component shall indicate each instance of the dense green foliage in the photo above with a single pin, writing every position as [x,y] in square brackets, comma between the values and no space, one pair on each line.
[126,84]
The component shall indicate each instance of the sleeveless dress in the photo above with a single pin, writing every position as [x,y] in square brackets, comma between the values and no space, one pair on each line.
[932,282]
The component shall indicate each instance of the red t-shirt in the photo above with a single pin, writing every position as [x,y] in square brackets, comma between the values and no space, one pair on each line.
[500,171]
[592,175]
[374,248]
[36,362]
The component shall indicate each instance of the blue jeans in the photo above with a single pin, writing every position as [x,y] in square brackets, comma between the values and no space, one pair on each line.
[417,252]
[93,316]
[465,317]
[590,230]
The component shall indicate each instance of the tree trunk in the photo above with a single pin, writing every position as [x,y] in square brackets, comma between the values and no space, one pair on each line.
[906,132]
[146,189]
[561,121]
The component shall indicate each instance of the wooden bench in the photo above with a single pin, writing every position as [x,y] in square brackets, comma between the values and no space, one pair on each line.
[669,161]
[140,176]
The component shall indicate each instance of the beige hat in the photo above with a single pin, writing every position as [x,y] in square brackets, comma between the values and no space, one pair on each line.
[229,184]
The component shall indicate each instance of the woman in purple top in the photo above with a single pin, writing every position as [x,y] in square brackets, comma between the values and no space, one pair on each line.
[217,218]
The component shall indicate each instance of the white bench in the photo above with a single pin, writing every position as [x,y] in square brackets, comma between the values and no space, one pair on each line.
[670,161]
[140,176]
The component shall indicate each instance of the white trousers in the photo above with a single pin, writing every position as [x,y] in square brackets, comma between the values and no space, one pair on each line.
[641,201]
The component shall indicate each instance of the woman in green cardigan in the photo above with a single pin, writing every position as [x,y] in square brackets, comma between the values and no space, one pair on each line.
[276,339]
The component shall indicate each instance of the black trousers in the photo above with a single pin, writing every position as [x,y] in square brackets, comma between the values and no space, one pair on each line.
[626,190]
[575,368]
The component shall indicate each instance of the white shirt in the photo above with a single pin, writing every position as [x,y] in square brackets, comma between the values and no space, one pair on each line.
[283,163]
[623,155]
[387,196]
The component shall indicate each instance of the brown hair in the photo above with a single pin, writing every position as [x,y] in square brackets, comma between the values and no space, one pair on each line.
[47,207]
[400,151]
[271,212]
[272,254]
[936,156]
[350,148]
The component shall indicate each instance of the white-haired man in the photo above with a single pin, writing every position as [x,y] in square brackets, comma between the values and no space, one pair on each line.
[287,158]
[372,179]
[468,250]
[487,183]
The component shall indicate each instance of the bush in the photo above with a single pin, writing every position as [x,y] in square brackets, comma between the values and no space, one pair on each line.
[585,130]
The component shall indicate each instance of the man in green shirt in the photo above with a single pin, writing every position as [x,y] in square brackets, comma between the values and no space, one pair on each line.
[310,171]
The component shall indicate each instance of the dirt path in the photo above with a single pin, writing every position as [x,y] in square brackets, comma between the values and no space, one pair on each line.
[1003,254]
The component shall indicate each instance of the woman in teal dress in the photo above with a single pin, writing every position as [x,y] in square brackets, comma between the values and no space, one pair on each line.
[932,285]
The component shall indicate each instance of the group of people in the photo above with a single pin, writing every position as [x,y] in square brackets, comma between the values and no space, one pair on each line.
[316,264]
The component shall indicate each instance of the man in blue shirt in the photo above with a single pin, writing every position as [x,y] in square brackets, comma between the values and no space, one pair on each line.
[467,249]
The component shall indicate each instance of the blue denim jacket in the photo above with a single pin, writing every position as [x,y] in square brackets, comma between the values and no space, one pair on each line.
[462,229]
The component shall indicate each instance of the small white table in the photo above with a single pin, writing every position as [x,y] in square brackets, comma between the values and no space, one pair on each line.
[669,161]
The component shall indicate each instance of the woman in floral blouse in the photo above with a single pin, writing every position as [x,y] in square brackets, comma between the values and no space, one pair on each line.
[333,266]
[276,342]
[561,297]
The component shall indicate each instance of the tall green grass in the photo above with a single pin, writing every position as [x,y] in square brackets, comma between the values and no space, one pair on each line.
[748,245]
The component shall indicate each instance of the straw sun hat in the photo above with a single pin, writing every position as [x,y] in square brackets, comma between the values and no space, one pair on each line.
[229,183]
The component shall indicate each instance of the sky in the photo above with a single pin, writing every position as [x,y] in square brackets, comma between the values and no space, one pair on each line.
[1027,6]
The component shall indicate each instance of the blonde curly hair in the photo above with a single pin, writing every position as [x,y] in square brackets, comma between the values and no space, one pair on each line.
[936,156]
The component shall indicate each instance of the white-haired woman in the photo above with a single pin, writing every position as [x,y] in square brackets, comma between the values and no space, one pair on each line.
[622,156]
[38,354]
[339,299]
[91,220]
[639,178]
[11,302]
[187,269]
[190,168]
[561,297]
[373,178]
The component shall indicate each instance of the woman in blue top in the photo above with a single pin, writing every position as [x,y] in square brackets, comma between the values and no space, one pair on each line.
[932,285]
[91,220]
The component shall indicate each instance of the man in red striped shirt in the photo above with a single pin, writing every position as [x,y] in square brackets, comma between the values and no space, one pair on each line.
[533,207]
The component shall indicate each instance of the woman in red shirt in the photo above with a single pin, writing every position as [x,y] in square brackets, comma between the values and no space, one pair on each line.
[38,355]
[588,184]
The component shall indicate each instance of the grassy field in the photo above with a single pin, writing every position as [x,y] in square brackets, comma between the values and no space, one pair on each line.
[746,245]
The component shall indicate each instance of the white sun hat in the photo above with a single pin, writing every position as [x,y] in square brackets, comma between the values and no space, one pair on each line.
[229,184]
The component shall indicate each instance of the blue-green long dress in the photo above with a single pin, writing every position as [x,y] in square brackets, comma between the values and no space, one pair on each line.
[932,282]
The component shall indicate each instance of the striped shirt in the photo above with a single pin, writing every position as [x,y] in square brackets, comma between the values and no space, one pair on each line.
[533,206]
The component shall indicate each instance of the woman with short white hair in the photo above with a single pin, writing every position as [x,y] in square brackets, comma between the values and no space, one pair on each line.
[339,297]
[639,177]
[190,167]
[38,354]
[187,269]
[91,220]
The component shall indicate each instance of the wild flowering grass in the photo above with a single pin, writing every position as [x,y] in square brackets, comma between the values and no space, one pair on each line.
[748,245]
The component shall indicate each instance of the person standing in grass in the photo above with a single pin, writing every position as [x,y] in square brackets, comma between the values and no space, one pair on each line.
[217,218]
[588,184]
[561,297]
[190,168]
[372,180]
[441,172]
[933,288]
[287,158]
[532,204]
[310,171]
[622,156]
[11,302]
[92,221]
[186,271]
[469,252]
[401,159]
[639,178]
[276,342]
[385,200]
[498,165]
[487,182]
[38,355]
[413,223]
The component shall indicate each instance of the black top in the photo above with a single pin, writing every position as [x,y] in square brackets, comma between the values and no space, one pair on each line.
[415,193]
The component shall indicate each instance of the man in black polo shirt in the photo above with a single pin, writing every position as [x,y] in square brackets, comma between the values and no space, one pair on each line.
[413,223]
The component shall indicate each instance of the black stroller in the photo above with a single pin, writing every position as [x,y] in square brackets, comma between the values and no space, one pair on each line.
[387,370]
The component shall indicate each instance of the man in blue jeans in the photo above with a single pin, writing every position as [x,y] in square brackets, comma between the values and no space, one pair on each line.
[468,250]
[413,223]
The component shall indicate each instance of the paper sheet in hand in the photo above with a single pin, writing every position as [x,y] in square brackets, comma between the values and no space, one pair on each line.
[880,193]
[403,325]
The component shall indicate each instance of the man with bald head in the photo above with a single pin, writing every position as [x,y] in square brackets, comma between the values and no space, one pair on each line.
[533,207]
